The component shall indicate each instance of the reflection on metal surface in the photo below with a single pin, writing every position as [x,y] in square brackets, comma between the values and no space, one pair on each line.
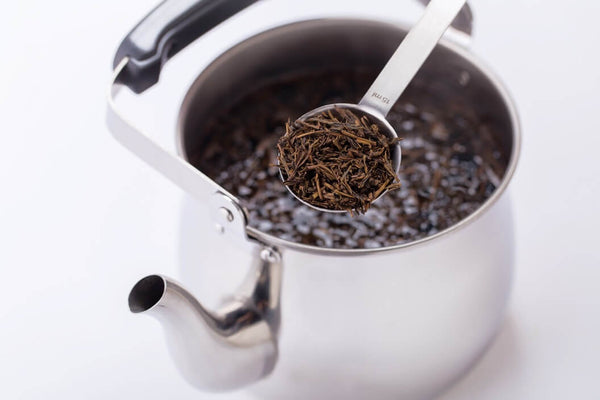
[401,322]
[225,350]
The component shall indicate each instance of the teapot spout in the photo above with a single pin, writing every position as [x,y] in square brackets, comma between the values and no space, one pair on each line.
[213,351]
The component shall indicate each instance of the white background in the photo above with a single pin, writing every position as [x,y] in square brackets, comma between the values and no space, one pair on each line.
[81,219]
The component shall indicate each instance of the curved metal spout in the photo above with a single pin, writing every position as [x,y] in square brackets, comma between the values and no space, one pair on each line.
[217,351]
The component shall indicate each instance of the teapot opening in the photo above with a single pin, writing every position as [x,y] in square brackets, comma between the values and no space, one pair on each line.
[460,134]
[146,293]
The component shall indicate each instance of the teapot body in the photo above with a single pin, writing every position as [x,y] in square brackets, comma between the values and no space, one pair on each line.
[402,322]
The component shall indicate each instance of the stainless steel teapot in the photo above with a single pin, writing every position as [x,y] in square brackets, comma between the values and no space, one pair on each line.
[399,322]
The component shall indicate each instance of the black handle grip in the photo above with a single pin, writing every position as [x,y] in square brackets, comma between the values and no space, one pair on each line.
[169,28]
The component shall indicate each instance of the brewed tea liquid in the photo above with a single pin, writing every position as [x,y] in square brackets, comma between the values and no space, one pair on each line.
[451,162]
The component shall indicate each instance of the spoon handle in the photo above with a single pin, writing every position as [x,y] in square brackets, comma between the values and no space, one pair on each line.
[410,55]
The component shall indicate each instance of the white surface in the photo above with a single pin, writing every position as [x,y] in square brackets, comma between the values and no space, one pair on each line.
[81,219]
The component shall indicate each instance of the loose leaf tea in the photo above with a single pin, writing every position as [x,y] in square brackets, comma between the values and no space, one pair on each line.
[452,159]
[337,160]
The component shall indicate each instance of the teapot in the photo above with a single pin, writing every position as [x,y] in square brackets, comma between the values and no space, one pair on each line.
[395,322]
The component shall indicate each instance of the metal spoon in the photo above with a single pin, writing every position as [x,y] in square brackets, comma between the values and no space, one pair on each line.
[397,74]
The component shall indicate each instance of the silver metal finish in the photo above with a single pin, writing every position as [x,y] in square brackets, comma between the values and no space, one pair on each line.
[225,350]
[410,56]
[397,75]
[229,218]
[172,166]
[179,171]
[400,322]
[462,25]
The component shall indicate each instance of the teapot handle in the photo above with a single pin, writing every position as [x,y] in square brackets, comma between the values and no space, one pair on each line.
[174,24]
[165,31]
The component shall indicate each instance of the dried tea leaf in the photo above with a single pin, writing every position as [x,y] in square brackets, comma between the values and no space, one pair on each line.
[337,161]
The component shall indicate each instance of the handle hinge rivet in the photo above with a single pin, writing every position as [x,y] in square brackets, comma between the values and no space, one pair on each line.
[226,214]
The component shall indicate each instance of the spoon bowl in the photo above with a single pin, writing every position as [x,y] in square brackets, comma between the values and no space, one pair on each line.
[360,111]
[395,76]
